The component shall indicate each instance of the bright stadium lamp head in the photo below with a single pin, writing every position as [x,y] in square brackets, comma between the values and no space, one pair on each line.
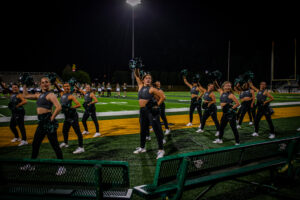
[133,3]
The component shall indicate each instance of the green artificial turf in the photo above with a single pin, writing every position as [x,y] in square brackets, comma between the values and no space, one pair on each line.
[142,166]
[106,104]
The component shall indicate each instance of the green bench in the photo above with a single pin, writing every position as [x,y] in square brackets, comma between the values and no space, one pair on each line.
[81,179]
[209,167]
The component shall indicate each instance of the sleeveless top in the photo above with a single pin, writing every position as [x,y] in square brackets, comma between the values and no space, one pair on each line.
[206,96]
[87,98]
[224,98]
[144,93]
[194,90]
[65,100]
[246,93]
[42,102]
[261,97]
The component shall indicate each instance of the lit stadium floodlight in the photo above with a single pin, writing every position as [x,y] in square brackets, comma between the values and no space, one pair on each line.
[133,2]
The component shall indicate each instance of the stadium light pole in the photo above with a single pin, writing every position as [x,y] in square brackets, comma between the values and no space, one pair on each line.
[133,4]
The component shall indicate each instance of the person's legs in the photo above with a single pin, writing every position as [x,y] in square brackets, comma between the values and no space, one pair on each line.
[37,140]
[12,125]
[84,118]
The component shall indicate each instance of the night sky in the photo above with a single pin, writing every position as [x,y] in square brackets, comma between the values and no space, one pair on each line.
[169,35]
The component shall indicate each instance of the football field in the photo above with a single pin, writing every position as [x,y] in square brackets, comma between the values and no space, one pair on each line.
[120,137]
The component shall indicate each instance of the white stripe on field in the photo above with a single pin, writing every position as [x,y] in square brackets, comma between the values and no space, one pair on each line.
[132,112]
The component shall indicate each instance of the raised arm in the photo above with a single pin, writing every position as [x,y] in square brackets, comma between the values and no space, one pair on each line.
[218,87]
[80,90]
[28,96]
[186,82]
[201,88]
[253,87]
[137,77]
[51,97]
[58,88]
[253,98]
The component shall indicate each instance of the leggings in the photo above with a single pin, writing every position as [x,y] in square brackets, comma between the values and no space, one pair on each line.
[18,120]
[163,115]
[145,118]
[211,111]
[39,136]
[232,121]
[66,127]
[195,104]
[86,115]
[245,107]
[263,110]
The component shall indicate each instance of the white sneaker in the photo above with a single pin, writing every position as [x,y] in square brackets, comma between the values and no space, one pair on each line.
[272,136]
[23,142]
[167,131]
[16,139]
[238,126]
[218,141]
[85,132]
[255,134]
[200,130]
[27,167]
[189,124]
[97,134]
[139,150]
[78,150]
[61,171]
[148,138]
[164,141]
[250,123]
[298,129]
[63,145]
[160,154]
[217,134]
[237,144]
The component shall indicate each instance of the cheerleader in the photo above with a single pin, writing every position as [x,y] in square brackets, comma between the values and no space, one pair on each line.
[149,106]
[210,108]
[227,99]
[16,102]
[263,108]
[195,100]
[90,110]
[71,117]
[47,124]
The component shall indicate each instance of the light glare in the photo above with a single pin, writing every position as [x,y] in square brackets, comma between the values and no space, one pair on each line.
[133,2]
